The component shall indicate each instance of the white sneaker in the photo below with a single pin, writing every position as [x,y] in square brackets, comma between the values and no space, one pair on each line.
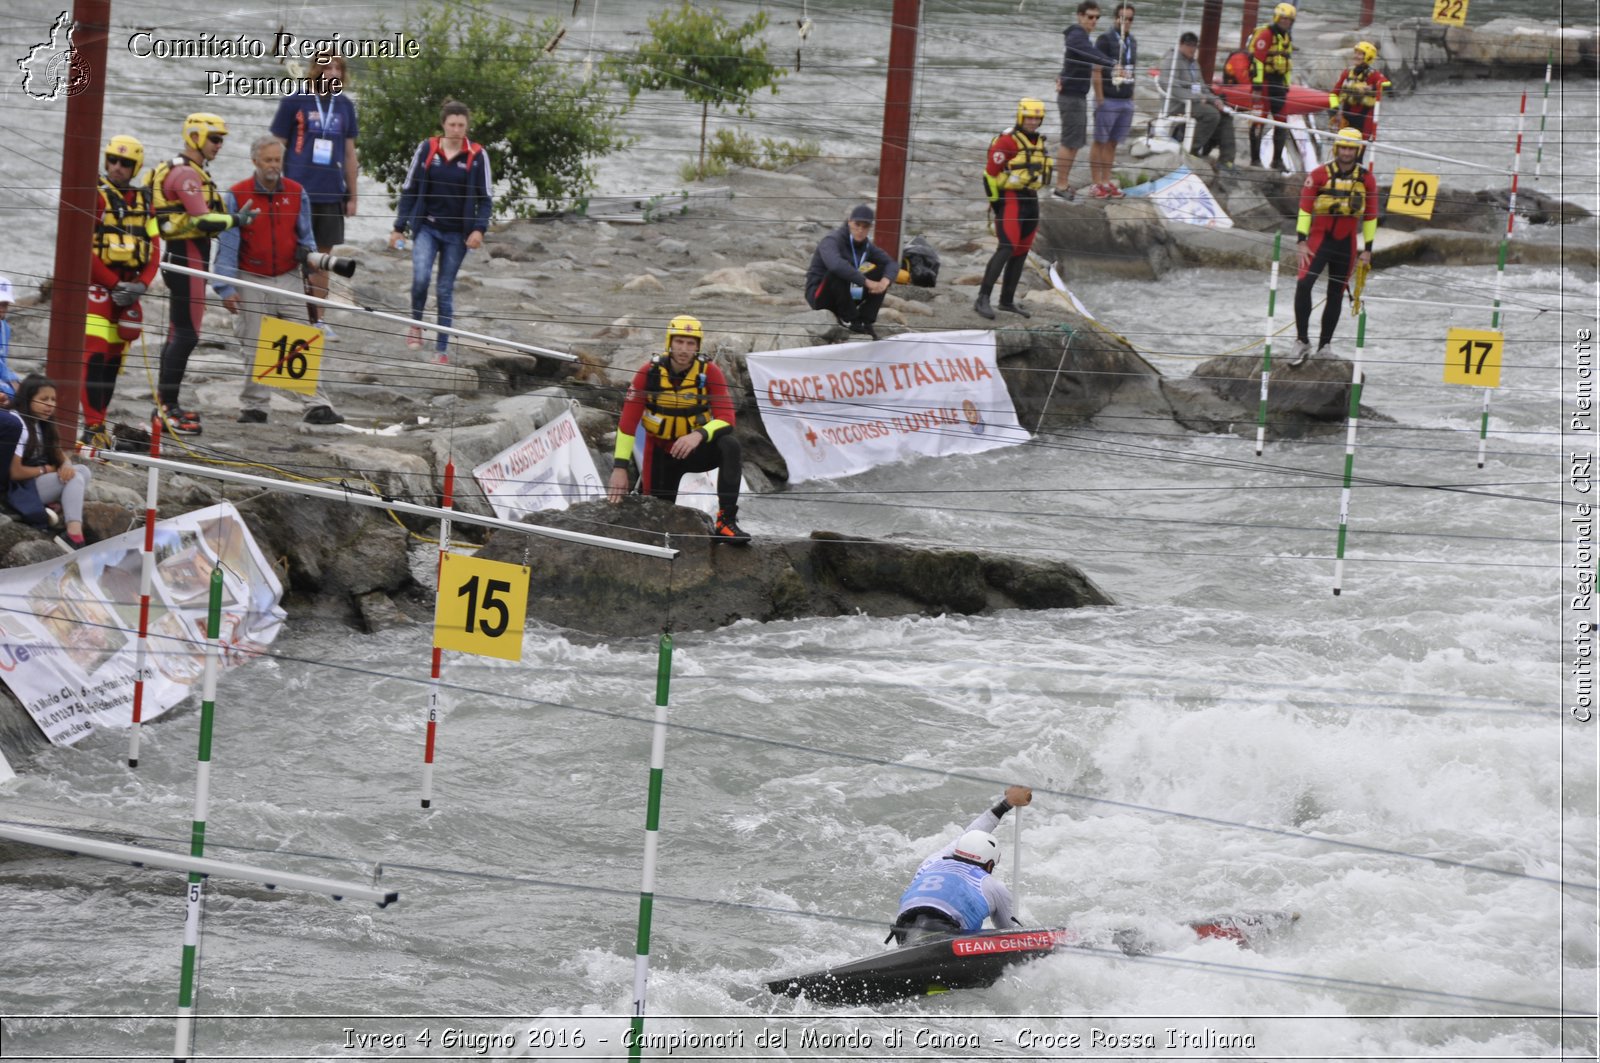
[328,335]
[1325,351]
[1299,353]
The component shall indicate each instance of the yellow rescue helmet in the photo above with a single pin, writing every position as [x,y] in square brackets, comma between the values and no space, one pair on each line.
[1283,11]
[1028,107]
[125,147]
[1366,52]
[1349,137]
[684,325]
[200,125]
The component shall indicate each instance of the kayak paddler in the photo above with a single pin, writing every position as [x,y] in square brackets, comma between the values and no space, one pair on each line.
[956,888]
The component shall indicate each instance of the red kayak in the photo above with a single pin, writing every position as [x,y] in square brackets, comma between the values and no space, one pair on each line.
[1302,100]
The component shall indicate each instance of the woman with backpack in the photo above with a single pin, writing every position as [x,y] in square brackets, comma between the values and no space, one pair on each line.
[445,204]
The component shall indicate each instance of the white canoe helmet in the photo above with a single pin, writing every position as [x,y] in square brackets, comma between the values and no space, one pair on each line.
[978,846]
[5,290]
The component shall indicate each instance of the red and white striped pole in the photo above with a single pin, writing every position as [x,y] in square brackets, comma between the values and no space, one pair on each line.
[1500,269]
[438,654]
[147,566]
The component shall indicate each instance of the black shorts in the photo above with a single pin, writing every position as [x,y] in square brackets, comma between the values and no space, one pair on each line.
[327,225]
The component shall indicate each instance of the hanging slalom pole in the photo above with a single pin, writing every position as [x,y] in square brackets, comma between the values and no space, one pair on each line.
[147,568]
[1353,418]
[1500,269]
[1016,859]
[1544,112]
[438,654]
[1266,357]
[652,828]
[195,895]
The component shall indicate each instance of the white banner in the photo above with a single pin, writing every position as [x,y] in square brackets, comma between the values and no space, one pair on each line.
[845,408]
[551,469]
[69,628]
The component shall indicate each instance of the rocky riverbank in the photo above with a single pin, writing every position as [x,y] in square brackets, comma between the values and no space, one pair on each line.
[734,256]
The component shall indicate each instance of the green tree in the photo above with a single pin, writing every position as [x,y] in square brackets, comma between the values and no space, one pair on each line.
[704,56]
[542,125]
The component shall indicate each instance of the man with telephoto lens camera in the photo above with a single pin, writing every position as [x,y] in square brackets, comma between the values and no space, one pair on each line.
[271,256]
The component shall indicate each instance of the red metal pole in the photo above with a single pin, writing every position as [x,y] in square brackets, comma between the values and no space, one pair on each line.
[1210,27]
[896,147]
[79,209]
[1367,11]
[1251,9]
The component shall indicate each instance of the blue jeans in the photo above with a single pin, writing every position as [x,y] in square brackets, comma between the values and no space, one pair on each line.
[451,248]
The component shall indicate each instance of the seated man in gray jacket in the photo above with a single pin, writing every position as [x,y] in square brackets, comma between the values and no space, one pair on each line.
[1213,124]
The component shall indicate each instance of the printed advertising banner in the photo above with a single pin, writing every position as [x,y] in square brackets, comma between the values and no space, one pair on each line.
[845,408]
[551,469]
[1182,196]
[69,628]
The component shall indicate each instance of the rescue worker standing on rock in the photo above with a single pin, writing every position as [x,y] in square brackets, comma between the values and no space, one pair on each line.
[1357,92]
[189,214]
[1338,202]
[682,402]
[126,252]
[1271,49]
[1018,166]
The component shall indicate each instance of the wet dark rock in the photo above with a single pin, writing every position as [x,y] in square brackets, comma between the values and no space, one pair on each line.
[711,585]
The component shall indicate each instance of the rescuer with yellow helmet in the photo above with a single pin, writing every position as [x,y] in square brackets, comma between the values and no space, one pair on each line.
[189,213]
[679,407]
[1018,166]
[1271,50]
[122,264]
[1338,203]
[1355,96]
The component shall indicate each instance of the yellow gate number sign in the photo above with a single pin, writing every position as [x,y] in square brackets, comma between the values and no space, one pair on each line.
[1472,356]
[1413,193]
[482,607]
[288,355]
[1450,12]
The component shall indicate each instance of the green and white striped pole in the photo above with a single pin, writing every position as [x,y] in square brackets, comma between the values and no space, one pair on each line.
[1266,357]
[1544,113]
[1500,270]
[1352,419]
[652,829]
[195,895]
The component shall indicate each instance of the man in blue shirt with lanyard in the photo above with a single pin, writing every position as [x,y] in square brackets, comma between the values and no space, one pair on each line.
[318,130]
[1113,93]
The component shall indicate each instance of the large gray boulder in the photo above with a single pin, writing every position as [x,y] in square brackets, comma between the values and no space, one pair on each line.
[710,585]
[1223,394]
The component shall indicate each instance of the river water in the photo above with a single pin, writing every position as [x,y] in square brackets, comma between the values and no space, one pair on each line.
[1397,763]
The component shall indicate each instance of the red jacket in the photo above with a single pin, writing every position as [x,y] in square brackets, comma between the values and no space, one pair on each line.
[267,245]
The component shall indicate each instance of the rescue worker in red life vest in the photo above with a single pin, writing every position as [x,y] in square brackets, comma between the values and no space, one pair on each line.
[277,250]
[1271,49]
[189,214]
[1357,92]
[682,401]
[1338,203]
[956,889]
[1018,166]
[126,253]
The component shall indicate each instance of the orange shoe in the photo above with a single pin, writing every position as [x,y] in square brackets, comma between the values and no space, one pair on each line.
[727,530]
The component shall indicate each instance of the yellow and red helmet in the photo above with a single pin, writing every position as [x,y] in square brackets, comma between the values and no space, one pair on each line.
[1028,107]
[123,146]
[200,125]
[684,325]
[1283,11]
[1365,51]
